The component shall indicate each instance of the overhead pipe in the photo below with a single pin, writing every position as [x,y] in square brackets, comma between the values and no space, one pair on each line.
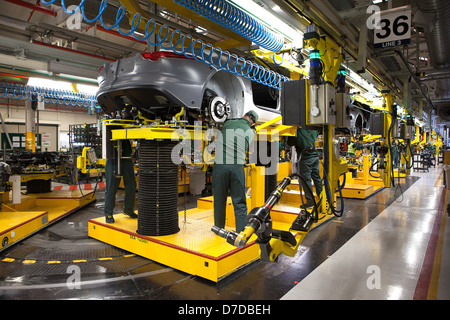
[229,16]
[438,39]
[33,7]
[416,79]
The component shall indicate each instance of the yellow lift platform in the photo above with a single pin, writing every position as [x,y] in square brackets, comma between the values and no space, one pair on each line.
[194,249]
[364,185]
[36,211]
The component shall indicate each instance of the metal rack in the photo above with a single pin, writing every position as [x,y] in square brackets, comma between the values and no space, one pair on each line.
[84,135]
[422,161]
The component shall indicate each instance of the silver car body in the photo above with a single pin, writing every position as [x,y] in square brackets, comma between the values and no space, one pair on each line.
[176,81]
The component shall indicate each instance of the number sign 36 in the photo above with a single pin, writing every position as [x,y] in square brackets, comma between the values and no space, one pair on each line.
[394,29]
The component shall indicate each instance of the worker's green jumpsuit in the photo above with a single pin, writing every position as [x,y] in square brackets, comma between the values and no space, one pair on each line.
[228,172]
[112,182]
[309,164]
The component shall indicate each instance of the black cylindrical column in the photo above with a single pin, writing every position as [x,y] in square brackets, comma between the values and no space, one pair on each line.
[158,189]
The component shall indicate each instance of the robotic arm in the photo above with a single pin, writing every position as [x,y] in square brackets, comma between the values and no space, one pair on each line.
[272,242]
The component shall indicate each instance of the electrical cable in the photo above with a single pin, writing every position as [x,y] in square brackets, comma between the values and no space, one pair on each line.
[393,116]
[390,148]
[99,174]
[337,213]
[371,167]
[315,211]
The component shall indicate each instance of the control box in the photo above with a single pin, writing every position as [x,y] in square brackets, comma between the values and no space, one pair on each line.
[406,131]
[324,111]
[293,103]
[377,124]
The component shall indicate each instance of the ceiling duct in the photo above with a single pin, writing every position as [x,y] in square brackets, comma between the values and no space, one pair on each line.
[438,38]
[438,41]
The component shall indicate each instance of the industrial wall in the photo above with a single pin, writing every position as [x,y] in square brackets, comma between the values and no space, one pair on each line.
[54,121]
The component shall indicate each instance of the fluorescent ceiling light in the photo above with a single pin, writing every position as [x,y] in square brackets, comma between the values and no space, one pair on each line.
[48,83]
[87,89]
[61,85]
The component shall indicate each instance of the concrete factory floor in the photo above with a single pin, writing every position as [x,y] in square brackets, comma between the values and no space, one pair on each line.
[389,246]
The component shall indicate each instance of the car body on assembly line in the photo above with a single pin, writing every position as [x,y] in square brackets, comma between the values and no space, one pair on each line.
[160,84]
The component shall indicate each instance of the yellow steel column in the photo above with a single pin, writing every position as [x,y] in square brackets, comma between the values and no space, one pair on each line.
[30,127]
[30,141]
[366,169]
[257,186]
[389,97]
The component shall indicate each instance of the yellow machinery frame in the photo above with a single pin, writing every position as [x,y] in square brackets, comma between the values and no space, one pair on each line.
[332,56]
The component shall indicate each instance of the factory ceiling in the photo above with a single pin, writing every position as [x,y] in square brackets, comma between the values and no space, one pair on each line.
[39,39]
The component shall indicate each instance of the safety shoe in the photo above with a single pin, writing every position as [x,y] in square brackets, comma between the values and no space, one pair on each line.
[110,219]
[132,215]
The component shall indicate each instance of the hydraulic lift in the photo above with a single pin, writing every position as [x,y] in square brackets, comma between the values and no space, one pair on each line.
[194,249]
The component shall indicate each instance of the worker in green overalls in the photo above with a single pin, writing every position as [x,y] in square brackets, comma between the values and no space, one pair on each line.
[304,143]
[228,172]
[112,181]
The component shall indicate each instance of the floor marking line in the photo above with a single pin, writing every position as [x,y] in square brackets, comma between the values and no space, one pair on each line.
[87,282]
[423,283]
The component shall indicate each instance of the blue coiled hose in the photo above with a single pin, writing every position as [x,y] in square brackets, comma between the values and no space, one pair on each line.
[233,18]
[22,92]
[186,45]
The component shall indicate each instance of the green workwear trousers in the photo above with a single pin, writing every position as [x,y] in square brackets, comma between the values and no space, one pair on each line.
[229,177]
[112,184]
[309,168]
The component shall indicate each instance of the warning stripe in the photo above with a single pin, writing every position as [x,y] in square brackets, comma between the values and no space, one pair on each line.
[86,186]
[28,261]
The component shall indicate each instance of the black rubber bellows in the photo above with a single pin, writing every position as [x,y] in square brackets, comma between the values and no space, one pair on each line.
[158,189]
